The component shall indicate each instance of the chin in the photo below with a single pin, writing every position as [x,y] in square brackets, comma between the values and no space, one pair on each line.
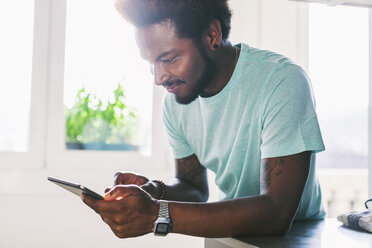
[186,99]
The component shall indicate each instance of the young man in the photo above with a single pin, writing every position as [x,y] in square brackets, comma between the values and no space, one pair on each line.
[246,114]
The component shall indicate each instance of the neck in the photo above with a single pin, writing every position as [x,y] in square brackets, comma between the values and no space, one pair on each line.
[225,58]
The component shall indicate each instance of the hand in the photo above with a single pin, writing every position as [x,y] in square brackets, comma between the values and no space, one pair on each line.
[131,216]
[126,178]
[130,178]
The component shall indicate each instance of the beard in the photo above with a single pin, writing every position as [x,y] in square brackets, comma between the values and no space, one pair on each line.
[203,82]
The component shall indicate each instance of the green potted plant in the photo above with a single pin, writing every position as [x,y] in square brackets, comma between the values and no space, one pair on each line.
[95,124]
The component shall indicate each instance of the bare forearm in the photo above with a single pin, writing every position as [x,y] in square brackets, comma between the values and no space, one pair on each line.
[240,217]
[180,190]
[282,183]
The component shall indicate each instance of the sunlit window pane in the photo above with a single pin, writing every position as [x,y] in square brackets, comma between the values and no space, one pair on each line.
[16,25]
[102,58]
[339,72]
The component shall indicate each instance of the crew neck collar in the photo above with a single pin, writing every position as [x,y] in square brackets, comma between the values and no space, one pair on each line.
[230,83]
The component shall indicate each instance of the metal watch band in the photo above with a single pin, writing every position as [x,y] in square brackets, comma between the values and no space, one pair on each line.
[163,210]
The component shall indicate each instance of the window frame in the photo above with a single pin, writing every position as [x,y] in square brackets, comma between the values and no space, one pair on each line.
[57,156]
[370,109]
[33,158]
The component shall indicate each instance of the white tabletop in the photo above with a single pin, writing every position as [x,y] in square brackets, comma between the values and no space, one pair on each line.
[325,233]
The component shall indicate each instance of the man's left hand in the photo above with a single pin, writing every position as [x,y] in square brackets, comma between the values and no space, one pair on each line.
[127,209]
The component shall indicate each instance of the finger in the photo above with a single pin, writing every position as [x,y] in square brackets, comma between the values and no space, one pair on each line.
[113,226]
[122,191]
[108,221]
[101,207]
[124,178]
[90,202]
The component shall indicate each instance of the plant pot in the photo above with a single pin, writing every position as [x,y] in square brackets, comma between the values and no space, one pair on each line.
[101,146]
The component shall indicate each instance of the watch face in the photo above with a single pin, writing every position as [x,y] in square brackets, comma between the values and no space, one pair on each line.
[162,228]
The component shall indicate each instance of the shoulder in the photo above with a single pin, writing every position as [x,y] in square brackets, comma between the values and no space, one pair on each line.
[167,100]
[169,103]
[264,57]
[168,106]
[289,80]
[269,67]
[172,110]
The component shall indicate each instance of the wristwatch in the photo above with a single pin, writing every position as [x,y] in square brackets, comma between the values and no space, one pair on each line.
[162,226]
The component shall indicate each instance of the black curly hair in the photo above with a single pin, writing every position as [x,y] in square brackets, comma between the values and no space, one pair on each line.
[190,17]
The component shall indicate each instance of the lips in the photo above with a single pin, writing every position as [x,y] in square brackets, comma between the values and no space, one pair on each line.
[172,87]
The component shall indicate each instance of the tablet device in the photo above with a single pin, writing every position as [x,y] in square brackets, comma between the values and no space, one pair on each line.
[77,189]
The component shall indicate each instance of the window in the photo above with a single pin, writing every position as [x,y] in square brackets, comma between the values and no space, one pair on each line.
[15,77]
[60,53]
[339,70]
[100,55]
[22,110]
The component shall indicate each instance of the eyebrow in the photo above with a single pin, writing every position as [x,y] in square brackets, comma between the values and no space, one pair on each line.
[165,54]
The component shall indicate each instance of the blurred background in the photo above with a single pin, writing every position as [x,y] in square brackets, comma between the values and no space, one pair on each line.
[78,102]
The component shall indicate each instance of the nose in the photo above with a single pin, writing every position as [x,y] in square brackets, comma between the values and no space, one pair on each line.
[160,75]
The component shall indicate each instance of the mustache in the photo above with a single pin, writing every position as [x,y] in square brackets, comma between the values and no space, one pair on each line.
[172,82]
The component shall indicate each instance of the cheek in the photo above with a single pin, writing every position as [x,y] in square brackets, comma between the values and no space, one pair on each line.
[189,70]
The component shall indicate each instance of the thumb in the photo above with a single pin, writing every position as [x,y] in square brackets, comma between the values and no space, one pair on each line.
[121,191]
[108,189]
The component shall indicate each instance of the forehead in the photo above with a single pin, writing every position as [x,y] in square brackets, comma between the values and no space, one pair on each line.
[157,39]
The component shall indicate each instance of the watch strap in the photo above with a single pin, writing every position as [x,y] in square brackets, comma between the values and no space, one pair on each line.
[163,209]
[163,225]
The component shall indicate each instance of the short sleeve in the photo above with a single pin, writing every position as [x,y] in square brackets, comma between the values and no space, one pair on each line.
[172,121]
[289,121]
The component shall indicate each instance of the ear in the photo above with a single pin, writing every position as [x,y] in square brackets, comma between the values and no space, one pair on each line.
[213,35]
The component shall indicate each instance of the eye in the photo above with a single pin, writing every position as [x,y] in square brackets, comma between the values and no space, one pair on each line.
[168,61]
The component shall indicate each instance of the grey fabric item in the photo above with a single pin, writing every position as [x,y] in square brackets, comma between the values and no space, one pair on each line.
[356,219]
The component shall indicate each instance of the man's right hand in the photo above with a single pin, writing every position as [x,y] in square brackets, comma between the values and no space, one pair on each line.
[126,178]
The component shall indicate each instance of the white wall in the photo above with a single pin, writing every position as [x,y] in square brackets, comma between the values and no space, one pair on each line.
[36,213]
[56,218]
[277,25]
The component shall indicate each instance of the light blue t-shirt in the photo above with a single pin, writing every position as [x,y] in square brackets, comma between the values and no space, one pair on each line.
[266,110]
